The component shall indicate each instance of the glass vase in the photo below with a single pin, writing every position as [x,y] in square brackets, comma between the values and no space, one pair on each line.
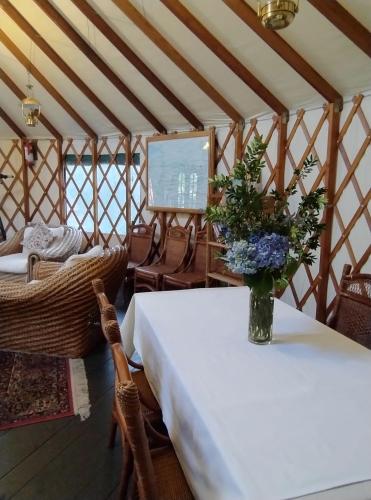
[261,318]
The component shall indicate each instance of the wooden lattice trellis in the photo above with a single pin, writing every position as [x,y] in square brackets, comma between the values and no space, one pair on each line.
[38,193]
[306,138]
[12,206]
[352,222]
[44,183]
[78,205]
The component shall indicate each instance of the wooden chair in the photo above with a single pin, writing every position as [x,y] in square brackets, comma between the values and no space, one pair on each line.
[171,260]
[352,312]
[194,274]
[140,245]
[157,472]
[111,331]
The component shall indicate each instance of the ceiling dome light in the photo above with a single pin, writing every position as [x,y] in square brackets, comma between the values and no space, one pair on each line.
[277,14]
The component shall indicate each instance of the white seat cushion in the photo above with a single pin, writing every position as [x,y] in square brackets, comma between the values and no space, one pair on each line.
[14,263]
[96,251]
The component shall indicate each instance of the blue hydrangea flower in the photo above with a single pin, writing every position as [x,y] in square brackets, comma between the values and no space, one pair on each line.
[260,251]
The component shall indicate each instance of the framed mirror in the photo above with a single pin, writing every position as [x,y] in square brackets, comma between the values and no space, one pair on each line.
[178,169]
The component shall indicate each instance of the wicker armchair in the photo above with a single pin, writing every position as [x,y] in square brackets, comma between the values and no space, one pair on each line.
[157,473]
[56,315]
[194,274]
[59,250]
[352,312]
[13,244]
[171,260]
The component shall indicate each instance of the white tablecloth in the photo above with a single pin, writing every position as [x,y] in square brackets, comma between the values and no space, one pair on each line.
[255,422]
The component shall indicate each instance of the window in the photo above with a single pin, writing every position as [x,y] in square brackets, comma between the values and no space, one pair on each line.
[106,197]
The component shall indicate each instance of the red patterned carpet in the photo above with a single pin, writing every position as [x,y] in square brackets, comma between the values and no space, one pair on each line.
[33,388]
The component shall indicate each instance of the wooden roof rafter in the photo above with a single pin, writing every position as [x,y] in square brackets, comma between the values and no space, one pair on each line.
[206,37]
[178,59]
[30,31]
[283,49]
[11,124]
[18,54]
[345,22]
[136,61]
[18,92]
[94,57]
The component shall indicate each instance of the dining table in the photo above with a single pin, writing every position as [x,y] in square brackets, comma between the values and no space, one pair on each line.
[291,419]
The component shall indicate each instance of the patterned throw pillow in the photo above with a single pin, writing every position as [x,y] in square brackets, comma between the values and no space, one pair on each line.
[40,237]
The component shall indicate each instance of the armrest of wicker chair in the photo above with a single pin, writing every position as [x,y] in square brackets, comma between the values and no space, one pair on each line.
[43,269]
[13,245]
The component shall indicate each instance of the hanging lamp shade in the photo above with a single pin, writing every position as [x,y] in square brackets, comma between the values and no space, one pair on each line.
[277,14]
[31,109]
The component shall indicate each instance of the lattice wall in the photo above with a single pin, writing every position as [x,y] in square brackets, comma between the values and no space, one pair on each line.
[43,184]
[12,209]
[352,223]
[35,192]
[307,133]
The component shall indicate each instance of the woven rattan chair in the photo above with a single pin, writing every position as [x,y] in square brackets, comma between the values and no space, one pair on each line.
[111,331]
[56,315]
[59,250]
[157,472]
[194,274]
[140,245]
[352,312]
[171,260]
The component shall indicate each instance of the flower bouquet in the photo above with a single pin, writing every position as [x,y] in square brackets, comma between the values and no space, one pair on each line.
[265,243]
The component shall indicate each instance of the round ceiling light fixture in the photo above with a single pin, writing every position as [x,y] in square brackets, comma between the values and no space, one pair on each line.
[277,14]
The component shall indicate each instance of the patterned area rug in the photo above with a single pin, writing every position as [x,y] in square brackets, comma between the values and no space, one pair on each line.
[35,388]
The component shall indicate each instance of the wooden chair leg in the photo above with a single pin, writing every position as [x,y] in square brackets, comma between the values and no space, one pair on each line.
[112,434]
[127,470]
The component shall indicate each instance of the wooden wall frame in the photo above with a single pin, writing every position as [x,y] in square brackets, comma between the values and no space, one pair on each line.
[207,134]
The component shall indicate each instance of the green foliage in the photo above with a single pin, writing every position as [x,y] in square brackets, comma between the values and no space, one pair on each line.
[243,213]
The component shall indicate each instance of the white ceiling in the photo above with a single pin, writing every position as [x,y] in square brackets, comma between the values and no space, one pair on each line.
[332,54]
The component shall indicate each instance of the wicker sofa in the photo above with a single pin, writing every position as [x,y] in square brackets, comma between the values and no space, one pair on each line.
[56,315]
[59,250]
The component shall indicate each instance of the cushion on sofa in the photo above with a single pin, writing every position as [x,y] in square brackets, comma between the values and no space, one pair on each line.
[96,251]
[39,238]
[14,263]
[57,232]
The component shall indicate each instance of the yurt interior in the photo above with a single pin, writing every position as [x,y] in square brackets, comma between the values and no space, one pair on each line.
[185,278]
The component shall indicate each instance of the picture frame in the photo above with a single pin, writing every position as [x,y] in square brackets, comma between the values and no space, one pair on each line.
[179,166]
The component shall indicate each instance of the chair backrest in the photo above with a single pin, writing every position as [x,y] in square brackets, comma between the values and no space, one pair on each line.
[131,418]
[352,313]
[176,246]
[198,259]
[98,287]
[140,242]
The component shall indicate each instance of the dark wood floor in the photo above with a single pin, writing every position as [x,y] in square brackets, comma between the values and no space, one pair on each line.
[66,459]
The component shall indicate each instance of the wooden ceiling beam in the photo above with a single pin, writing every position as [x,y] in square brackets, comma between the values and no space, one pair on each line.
[11,124]
[59,62]
[167,48]
[283,49]
[345,22]
[20,95]
[206,37]
[18,54]
[93,56]
[136,61]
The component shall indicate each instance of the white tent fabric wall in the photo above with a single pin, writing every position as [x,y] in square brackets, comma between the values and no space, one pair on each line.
[354,146]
